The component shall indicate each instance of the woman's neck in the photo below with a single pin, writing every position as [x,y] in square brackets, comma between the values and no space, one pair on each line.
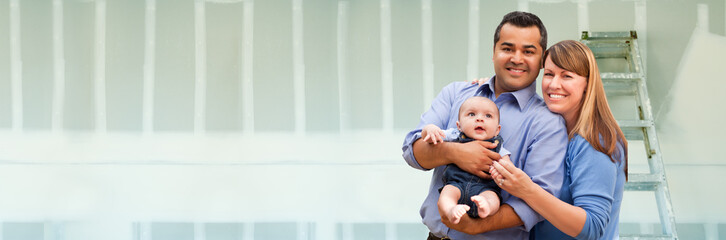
[570,126]
[570,121]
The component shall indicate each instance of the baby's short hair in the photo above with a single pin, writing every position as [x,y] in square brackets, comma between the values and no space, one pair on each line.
[483,98]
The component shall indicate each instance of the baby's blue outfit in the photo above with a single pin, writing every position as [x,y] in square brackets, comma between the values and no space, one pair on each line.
[469,184]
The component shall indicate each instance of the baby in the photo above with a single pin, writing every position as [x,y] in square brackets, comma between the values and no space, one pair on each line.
[478,120]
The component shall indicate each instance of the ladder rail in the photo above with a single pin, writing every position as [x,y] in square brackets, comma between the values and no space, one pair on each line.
[662,195]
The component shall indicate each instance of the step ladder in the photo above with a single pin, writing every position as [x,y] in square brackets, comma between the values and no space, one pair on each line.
[631,82]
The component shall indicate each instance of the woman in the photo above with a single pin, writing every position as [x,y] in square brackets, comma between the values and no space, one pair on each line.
[588,206]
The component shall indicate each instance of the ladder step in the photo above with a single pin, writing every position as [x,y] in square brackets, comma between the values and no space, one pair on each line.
[604,44]
[609,35]
[618,89]
[645,237]
[609,49]
[620,84]
[613,92]
[633,134]
[633,129]
[643,182]
[620,77]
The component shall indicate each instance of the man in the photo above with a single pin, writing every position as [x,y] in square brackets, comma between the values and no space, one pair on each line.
[535,136]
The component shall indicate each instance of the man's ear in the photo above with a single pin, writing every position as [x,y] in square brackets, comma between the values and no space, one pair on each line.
[494,50]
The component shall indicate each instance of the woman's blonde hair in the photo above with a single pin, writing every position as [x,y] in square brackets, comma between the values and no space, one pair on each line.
[595,122]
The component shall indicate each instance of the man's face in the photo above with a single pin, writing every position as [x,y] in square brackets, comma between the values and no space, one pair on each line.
[517,58]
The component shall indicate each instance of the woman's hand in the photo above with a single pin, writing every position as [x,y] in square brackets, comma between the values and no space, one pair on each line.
[479,81]
[512,179]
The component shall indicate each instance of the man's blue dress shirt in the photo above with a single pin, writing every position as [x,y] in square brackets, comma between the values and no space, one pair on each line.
[536,138]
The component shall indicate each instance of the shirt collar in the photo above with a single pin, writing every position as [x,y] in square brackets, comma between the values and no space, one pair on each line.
[522,96]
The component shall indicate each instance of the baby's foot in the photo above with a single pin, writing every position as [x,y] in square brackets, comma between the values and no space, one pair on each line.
[485,207]
[456,212]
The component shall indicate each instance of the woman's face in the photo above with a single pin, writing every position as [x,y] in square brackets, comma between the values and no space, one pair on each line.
[563,90]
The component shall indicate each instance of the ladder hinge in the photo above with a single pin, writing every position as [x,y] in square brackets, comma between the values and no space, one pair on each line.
[634,34]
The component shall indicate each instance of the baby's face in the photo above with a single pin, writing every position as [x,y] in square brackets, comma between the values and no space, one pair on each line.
[479,118]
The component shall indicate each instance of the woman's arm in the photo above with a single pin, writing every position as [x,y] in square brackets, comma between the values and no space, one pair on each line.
[565,217]
[592,189]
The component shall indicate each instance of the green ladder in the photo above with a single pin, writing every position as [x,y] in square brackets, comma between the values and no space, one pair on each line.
[609,46]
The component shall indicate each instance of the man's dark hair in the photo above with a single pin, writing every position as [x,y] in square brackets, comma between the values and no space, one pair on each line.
[523,20]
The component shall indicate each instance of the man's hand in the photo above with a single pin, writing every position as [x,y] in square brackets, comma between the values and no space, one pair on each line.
[475,157]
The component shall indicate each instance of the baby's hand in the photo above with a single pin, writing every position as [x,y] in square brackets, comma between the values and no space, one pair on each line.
[432,134]
[479,81]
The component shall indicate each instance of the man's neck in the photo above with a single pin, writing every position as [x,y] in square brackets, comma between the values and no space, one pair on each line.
[497,90]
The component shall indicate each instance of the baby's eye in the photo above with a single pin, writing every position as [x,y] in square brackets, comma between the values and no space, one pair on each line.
[471,114]
[489,115]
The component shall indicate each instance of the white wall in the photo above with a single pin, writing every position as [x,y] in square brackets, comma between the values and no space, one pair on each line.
[61,180]
[690,130]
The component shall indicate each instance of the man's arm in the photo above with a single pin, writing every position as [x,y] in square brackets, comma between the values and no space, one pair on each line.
[438,114]
[504,218]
